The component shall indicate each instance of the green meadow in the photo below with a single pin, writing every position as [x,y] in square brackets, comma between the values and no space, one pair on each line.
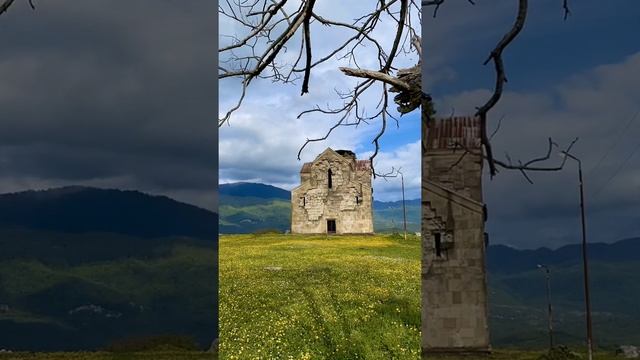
[187,355]
[319,297]
[147,355]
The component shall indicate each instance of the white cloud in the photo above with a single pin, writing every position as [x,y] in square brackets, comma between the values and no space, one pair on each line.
[597,107]
[264,136]
[406,158]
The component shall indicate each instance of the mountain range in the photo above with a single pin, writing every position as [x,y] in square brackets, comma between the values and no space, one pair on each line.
[517,293]
[249,207]
[81,268]
[118,264]
[77,209]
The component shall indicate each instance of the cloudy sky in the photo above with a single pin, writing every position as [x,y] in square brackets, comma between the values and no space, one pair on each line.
[567,79]
[262,140]
[95,95]
[110,96]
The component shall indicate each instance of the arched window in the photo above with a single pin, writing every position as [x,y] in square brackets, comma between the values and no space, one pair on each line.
[438,241]
[329,177]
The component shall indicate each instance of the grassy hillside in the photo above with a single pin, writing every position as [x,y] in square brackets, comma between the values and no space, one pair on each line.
[150,355]
[243,215]
[312,297]
[289,275]
[518,305]
[83,267]
[247,215]
[55,302]
[518,295]
[77,209]
[497,354]
[388,217]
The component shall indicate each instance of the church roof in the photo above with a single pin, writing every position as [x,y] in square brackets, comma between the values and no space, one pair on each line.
[360,165]
[445,133]
[363,165]
[306,167]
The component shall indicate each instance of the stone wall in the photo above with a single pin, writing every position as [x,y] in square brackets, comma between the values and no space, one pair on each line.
[454,295]
[348,201]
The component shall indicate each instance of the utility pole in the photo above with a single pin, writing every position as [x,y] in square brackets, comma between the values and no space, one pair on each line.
[404,209]
[545,268]
[584,259]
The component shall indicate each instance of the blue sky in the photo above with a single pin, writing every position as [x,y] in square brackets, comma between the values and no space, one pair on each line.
[548,48]
[573,78]
[262,140]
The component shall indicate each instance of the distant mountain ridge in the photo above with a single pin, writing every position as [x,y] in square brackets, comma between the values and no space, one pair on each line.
[247,207]
[78,209]
[379,205]
[256,190]
[64,249]
[504,259]
[81,267]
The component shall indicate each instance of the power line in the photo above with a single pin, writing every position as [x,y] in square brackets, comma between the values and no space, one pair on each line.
[613,145]
[618,170]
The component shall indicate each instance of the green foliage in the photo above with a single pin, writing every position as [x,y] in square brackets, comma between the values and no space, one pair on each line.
[146,355]
[151,343]
[518,303]
[559,353]
[267,231]
[173,291]
[390,219]
[499,354]
[244,215]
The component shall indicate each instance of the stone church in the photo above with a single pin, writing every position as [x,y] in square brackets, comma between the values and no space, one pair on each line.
[454,284]
[334,196]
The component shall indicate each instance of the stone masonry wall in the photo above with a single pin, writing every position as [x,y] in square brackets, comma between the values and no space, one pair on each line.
[454,295]
[454,315]
[348,201]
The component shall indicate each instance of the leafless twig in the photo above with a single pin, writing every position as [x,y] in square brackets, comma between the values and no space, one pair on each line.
[500,80]
[524,167]
[4,6]
[269,32]
[496,56]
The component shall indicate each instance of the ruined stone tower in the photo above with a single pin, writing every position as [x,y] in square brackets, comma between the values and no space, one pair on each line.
[335,195]
[454,289]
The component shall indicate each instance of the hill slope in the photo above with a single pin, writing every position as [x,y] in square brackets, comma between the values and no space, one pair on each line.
[77,209]
[518,294]
[256,190]
[81,267]
[248,207]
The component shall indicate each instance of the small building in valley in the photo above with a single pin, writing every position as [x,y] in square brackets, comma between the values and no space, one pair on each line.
[335,195]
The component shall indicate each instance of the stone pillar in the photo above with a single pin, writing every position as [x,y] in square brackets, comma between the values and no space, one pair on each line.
[454,289]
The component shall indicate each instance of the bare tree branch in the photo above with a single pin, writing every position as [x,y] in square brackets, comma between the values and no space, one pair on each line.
[376,75]
[496,56]
[565,6]
[500,80]
[523,167]
[270,30]
[307,43]
[376,140]
[6,4]
[437,3]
